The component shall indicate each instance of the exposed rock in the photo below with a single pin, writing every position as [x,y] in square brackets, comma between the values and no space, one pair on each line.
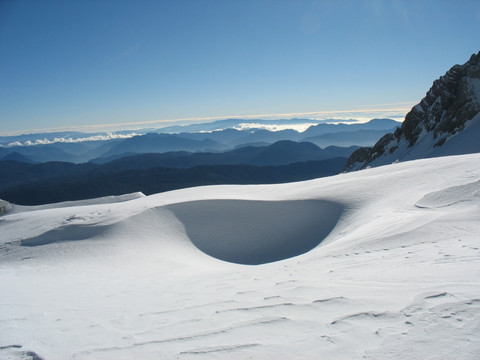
[451,102]
[4,206]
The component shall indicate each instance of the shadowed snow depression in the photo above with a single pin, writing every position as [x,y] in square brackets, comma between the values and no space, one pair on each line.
[257,232]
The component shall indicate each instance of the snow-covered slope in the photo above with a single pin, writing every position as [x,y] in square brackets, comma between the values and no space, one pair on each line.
[445,122]
[397,274]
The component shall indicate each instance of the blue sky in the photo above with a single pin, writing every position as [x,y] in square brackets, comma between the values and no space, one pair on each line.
[65,64]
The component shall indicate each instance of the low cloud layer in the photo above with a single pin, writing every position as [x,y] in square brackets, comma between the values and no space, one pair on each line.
[98,137]
[275,127]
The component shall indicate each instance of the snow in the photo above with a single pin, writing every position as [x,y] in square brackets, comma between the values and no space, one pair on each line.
[463,142]
[395,274]
[451,196]
[263,229]
[102,200]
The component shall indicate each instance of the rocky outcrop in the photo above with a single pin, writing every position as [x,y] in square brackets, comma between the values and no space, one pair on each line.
[4,207]
[451,102]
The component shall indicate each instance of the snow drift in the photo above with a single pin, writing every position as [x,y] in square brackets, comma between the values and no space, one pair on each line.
[395,273]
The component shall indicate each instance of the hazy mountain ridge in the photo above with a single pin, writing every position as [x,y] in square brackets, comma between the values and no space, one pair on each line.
[18,174]
[159,143]
[148,173]
[89,184]
[347,138]
[445,122]
[68,152]
[15,156]
[220,125]
[280,153]
[114,146]
[374,124]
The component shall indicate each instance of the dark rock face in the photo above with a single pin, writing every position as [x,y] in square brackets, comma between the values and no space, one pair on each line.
[358,156]
[447,106]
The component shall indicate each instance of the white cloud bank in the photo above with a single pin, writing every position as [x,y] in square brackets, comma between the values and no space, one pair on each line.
[275,127]
[100,137]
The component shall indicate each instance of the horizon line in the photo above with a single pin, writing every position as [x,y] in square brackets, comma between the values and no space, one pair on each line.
[315,115]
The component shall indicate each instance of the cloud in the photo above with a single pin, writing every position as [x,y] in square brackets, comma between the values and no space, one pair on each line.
[275,127]
[99,137]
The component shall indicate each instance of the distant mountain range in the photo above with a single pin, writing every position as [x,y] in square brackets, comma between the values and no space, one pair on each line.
[71,166]
[280,153]
[81,147]
[347,138]
[157,180]
[32,184]
[68,152]
[238,124]
[15,156]
[445,122]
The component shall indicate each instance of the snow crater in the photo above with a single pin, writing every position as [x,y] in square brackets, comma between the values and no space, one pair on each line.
[257,232]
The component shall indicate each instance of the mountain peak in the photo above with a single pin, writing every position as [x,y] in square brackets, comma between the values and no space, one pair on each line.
[450,106]
[15,156]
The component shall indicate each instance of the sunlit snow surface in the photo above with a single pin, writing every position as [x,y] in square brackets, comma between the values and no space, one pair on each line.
[398,277]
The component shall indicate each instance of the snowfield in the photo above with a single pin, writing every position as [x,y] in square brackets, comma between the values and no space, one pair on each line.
[382,263]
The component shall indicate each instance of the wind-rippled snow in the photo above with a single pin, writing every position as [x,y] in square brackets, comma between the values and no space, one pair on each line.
[396,277]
